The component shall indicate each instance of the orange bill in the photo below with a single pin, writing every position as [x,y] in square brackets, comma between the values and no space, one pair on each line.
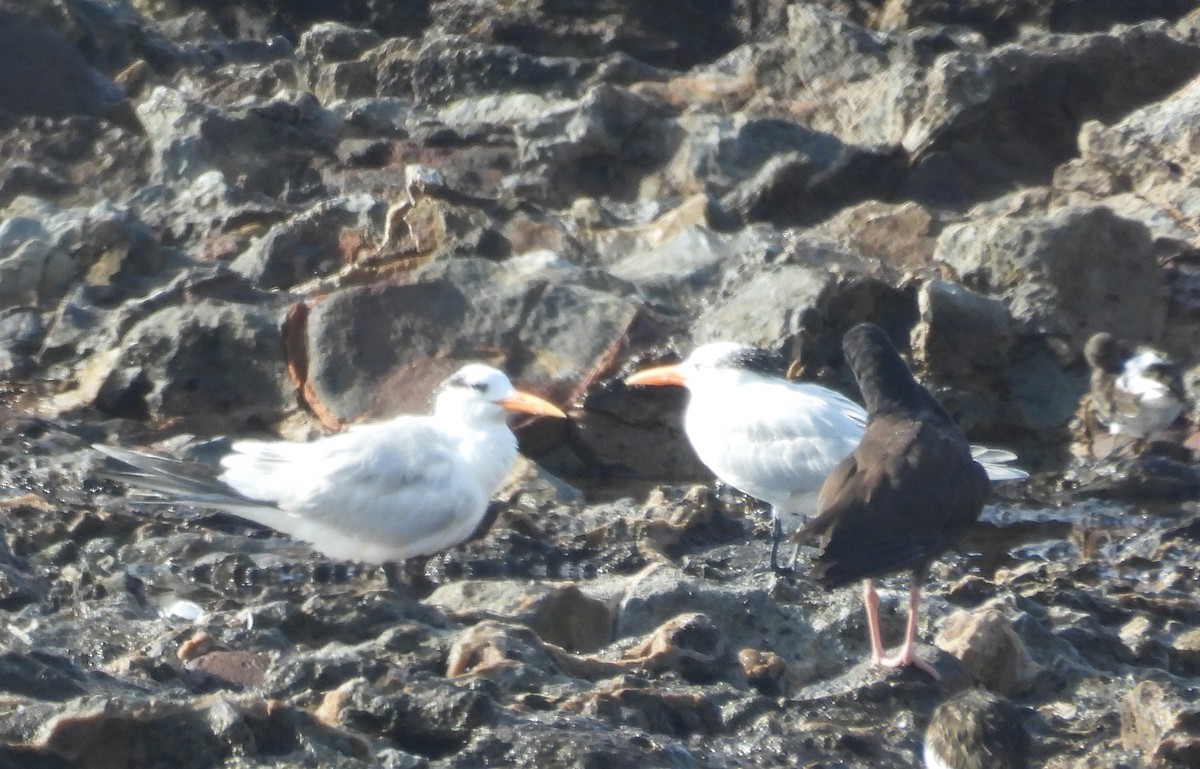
[531,404]
[659,375]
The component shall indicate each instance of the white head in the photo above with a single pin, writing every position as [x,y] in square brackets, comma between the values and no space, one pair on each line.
[715,365]
[478,394]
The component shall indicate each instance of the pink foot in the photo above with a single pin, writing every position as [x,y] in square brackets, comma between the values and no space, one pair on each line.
[905,659]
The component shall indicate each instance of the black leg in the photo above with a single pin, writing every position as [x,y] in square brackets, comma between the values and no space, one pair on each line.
[776,538]
[391,573]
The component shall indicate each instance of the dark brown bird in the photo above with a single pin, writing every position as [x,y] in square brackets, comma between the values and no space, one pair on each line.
[976,729]
[905,496]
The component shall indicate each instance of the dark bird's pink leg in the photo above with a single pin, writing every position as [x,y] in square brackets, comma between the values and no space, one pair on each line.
[871,602]
[908,652]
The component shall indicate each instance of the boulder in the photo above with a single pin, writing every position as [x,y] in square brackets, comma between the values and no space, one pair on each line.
[208,361]
[1066,275]
[379,349]
[1161,723]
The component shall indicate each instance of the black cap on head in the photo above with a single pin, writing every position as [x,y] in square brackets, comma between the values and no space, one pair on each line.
[756,359]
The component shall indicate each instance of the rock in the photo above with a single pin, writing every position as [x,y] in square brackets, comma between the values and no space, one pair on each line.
[1035,263]
[902,235]
[423,718]
[751,619]
[560,613]
[213,360]
[146,733]
[765,308]
[1160,724]
[1002,21]
[106,248]
[512,655]
[309,245]
[228,669]
[21,331]
[689,644]
[1045,394]
[200,643]
[778,171]
[604,143]
[33,271]
[639,433]
[455,312]
[990,650]
[266,146]
[763,669]
[1140,166]
[1184,650]
[567,742]
[960,331]
[45,75]
[701,31]
[317,210]
[958,107]
[332,41]
[42,676]
[673,266]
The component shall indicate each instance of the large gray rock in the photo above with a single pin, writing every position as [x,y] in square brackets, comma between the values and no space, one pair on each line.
[769,169]
[1159,722]
[765,308]
[380,349]
[560,613]
[1003,20]
[748,616]
[960,331]
[45,75]
[959,109]
[1068,274]
[45,251]
[308,245]
[211,362]
[268,146]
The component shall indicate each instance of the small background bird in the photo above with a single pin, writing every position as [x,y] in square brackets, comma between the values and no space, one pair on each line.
[906,494]
[1134,393]
[381,492]
[768,437]
[976,729]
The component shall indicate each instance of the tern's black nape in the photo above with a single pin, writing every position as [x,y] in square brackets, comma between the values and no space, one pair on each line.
[757,359]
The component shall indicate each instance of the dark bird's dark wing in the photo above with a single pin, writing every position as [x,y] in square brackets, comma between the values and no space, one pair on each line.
[905,495]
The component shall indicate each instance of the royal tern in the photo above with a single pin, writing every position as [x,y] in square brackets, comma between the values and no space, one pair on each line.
[976,729]
[768,437]
[905,495]
[1134,392]
[381,492]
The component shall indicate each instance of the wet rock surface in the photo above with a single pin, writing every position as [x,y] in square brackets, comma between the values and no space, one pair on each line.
[281,218]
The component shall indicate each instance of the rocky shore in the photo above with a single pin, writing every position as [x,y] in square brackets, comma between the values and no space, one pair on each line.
[278,218]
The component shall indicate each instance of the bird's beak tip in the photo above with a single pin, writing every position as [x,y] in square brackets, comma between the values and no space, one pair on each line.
[659,375]
[527,403]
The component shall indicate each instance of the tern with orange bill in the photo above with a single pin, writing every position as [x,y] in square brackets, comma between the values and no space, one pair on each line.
[380,492]
[773,439]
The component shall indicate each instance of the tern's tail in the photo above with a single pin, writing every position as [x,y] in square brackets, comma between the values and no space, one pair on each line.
[996,463]
[178,481]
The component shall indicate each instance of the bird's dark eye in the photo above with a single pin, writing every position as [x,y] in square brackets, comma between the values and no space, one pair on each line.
[479,386]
